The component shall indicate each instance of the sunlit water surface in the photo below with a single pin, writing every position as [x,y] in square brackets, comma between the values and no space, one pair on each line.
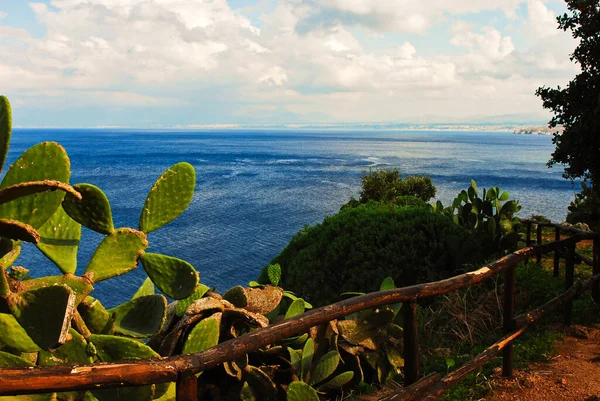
[255,189]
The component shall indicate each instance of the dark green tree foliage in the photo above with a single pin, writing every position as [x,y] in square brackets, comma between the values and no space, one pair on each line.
[386,185]
[577,107]
[357,248]
[585,208]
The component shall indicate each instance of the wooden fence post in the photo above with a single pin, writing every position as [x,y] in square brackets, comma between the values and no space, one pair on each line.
[569,278]
[510,280]
[539,242]
[411,343]
[187,387]
[556,252]
[596,269]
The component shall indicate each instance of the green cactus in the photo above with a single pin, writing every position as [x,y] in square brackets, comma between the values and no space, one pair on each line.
[261,384]
[237,296]
[91,209]
[95,316]
[204,335]
[44,313]
[337,382]
[141,317]
[10,252]
[175,277]
[147,288]
[183,304]
[5,129]
[169,197]
[12,361]
[117,254]
[73,352]
[24,189]
[44,161]
[296,308]
[18,231]
[14,336]
[59,240]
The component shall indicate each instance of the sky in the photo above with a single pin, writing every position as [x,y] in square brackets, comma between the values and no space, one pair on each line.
[187,63]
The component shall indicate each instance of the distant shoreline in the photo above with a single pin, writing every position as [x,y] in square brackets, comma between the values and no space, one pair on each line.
[538,130]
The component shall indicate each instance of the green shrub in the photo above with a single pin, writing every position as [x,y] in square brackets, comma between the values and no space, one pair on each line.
[357,248]
[585,208]
[413,201]
[386,185]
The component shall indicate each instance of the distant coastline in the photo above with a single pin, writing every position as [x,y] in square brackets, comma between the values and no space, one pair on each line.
[538,130]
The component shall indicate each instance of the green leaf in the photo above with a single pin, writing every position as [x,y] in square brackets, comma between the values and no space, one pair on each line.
[300,391]
[295,360]
[387,284]
[59,240]
[147,288]
[11,253]
[274,273]
[325,367]
[183,304]
[175,277]
[44,161]
[261,384]
[117,254]
[140,317]
[80,286]
[92,210]
[169,197]
[14,336]
[336,382]
[18,231]
[296,308]
[5,129]
[307,356]
[204,335]
[44,313]
[504,196]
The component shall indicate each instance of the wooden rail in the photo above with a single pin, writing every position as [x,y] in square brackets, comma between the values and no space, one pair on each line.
[182,368]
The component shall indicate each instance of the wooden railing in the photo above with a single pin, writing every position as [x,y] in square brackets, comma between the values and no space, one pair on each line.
[182,369]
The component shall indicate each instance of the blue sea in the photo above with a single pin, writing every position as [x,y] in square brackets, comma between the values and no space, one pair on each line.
[256,189]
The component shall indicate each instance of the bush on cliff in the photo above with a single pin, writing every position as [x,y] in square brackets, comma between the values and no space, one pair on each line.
[357,248]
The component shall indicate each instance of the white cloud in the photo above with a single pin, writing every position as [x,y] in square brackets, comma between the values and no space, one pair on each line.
[541,22]
[3,14]
[145,53]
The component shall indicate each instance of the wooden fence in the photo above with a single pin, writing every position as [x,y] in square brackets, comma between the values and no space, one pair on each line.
[182,369]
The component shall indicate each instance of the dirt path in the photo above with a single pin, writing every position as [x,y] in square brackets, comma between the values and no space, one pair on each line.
[572,374]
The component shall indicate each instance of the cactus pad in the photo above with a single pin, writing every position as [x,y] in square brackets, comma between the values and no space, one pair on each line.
[44,161]
[357,333]
[73,352]
[237,296]
[117,254]
[92,209]
[169,197]
[261,384]
[263,300]
[204,305]
[300,391]
[204,335]
[80,286]
[59,240]
[14,336]
[274,273]
[96,317]
[325,367]
[18,231]
[112,349]
[45,314]
[140,317]
[10,250]
[12,361]
[33,187]
[175,277]
[147,288]
[5,129]
[183,304]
